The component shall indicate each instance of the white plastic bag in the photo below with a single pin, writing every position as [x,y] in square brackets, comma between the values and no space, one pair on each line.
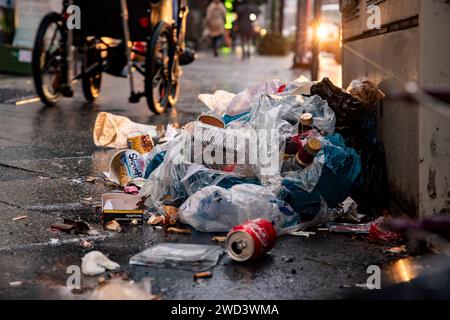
[298,87]
[218,101]
[243,101]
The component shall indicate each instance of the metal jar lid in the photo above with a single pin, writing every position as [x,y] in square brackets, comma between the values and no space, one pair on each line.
[307,119]
[313,146]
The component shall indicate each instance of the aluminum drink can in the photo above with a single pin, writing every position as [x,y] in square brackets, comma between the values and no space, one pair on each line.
[250,240]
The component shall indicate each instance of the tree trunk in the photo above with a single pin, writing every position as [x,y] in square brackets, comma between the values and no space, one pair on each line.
[273,16]
[301,32]
[281,16]
[315,65]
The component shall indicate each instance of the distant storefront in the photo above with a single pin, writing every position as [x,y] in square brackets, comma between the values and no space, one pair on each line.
[19,20]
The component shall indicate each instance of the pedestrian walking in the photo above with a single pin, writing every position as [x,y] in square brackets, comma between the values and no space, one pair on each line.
[215,23]
[244,26]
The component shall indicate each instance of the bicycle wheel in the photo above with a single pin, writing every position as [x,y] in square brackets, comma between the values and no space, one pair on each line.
[174,76]
[91,81]
[159,58]
[49,64]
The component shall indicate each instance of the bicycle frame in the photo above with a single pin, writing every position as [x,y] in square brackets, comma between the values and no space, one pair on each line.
[178,25]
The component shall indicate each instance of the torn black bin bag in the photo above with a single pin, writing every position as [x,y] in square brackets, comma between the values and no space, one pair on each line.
[349,111]
[357,124]
[373,196]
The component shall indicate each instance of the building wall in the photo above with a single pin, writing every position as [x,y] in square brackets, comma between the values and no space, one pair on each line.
[415,135]
[434,122]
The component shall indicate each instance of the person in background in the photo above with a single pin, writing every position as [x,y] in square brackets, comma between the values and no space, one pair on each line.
[215,23]
[244,26]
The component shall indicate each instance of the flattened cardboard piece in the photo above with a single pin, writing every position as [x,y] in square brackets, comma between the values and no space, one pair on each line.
[121,207]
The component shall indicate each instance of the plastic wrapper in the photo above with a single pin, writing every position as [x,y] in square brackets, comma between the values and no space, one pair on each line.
[322,217]
[301,86]
[113,131]
[349,228]
[324,116]
[244,100]
[217,102]
[346,211]
[382,230]
[192,257]
[307,178]
[215,209]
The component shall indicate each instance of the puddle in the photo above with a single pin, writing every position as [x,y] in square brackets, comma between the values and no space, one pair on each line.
[404,270]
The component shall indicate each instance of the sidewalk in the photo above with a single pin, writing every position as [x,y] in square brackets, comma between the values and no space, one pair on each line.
[46,154]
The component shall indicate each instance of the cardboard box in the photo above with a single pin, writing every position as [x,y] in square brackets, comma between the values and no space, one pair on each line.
[121,207]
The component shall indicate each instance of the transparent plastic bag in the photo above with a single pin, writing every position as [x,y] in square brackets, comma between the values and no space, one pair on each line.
[307,178]
[283,113]
[177,177]
[218,101]
[194,257]
[215,209]
[322,217]
[324,117]
[301,86]
[244,100]
[334,175]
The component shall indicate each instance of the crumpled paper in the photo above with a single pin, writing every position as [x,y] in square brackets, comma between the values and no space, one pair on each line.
[95,262]
[365,91]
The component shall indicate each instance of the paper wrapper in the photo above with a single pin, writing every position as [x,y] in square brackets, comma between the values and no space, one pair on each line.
[113,131]
[365,91]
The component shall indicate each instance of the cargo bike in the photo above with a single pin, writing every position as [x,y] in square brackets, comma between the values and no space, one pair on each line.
[119,37]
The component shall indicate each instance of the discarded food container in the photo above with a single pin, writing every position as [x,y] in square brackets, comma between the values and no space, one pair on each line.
[121,207]
[141,143]
[125,166]
[306,156]
[250,240]
[211,120]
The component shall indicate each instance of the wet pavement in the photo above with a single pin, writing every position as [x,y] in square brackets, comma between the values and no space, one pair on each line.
[46,154]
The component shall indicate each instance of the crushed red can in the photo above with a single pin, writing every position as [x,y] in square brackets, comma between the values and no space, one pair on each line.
[250,240]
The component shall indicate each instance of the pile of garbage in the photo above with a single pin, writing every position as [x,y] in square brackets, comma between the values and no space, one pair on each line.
[295,155]
[275,159]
